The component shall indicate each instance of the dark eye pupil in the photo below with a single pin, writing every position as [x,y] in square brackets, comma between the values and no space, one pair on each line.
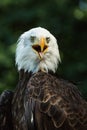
[47,39]
[32,38]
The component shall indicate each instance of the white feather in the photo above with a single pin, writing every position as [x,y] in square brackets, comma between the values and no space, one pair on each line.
[28,60]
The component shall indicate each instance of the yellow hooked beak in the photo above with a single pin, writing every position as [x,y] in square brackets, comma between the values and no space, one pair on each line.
[41,47]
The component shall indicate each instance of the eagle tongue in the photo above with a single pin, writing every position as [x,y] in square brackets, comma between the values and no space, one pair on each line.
[41,55]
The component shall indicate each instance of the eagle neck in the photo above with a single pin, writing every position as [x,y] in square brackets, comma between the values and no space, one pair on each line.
[23,75]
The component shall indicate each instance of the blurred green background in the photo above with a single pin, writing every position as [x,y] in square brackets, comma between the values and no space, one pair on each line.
[65,19]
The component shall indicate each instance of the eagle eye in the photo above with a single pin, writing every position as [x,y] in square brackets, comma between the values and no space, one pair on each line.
[47,39]
[32,38]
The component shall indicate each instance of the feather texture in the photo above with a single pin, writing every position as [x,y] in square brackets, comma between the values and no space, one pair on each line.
[5,110]
[55,104]
[59,100]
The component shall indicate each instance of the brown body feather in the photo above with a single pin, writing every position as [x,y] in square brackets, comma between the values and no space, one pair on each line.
[5,110]
[48,103]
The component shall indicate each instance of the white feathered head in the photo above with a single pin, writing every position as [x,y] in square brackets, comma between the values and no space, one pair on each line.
[37,50]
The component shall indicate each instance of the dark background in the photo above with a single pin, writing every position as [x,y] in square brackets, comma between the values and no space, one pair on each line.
[65,19]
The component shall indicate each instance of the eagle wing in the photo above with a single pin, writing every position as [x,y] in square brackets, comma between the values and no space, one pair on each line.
[5,110]
[59,101]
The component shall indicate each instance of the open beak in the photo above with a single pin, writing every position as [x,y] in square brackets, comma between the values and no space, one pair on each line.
[41,47]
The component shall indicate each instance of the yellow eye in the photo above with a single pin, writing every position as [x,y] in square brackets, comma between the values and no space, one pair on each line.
[32,38]
[47,39]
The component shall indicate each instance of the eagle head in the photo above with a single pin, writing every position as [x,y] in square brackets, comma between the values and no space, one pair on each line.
[37,50]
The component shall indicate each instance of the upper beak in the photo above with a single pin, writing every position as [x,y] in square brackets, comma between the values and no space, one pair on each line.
[41,46]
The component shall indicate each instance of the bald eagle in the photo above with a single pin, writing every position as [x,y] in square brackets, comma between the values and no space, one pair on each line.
[43,101]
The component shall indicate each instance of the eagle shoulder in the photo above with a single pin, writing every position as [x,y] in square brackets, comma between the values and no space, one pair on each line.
[58,99]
